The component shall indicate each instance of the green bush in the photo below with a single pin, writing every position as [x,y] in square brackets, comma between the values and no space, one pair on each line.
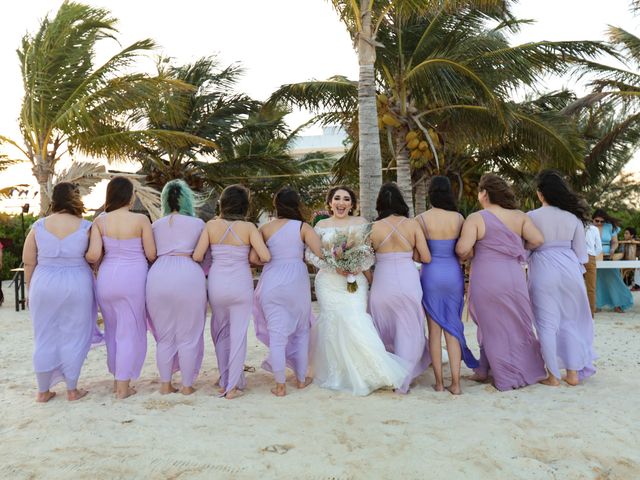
[12,239]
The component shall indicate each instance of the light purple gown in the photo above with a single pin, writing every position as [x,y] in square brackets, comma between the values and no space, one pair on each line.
[558,293]
[230,290]
[395,303]
[177,298]
[499,304]
[121,295]
[282,304]
[62,306]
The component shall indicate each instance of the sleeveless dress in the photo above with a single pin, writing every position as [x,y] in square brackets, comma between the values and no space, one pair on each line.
[558,293]
[443,291]
[346,351]
[62,306]
[395,305]
[177,298]
[499,304]
[120,290]
[610,288]
[282,304]
[230,290]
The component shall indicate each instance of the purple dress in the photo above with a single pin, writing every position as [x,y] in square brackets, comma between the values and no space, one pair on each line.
[558,293]
[396,308]
[177,298]
[62,306]
[499,304]
[282,304]
[443,291]
[230,290]
[121,295]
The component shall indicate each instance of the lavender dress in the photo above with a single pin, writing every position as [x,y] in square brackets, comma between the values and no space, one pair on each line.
[62,306]
[499,303]
[395,305]
[177,298]
[443,291]
[230,290]
[121,295]
[558,293]
[282,304]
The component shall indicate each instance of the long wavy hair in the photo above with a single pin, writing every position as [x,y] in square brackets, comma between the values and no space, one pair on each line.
[287,204]
[557,193]
[391,202]
[499,191]
[66,198]
[176,196]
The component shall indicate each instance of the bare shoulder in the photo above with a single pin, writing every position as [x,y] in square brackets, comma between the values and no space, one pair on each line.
[142,219]
[475,217]
[322,223]
[359,220]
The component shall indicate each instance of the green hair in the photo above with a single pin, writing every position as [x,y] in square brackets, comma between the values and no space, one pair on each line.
[177,196]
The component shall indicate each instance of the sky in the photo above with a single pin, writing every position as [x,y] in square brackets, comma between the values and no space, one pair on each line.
[276,41]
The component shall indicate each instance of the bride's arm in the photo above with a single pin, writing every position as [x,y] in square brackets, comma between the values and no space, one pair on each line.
[314,259]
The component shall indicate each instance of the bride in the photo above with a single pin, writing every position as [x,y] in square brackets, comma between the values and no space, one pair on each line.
[346,351]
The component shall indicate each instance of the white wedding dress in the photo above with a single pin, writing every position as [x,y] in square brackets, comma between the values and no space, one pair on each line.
[346,351]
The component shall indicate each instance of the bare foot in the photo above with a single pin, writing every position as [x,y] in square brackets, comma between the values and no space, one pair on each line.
[115,386]
[77,394]
[166,388]
[44,397]
[618,310]
[550,381]
[476,377]
[572,378]
[233,393]
[187,390]
[307,381]
[280,390]
[438,387]
[126,393]
[454,389]
[221,390]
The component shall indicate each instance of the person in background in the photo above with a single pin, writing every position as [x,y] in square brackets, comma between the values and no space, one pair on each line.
[610,289]
[629,246]
[594,250]
[1,294]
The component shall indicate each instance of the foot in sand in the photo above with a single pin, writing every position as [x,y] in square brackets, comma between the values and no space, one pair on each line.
[476,377]
[121,395]
[233,393]
[166,388]
[187,390]
[454,389]
[44,397]
[306,383]
[550,381]
[280,390]
[572,378]
[77,394]
[438,387]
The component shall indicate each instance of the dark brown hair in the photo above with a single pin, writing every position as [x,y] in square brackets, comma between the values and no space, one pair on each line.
[498,191]
[332,192]
[119,193]
[391,202]
[66,199]
[601,213]
[234,202]
[557,193]
[287,203]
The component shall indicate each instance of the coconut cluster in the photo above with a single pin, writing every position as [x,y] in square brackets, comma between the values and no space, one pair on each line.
[420,152]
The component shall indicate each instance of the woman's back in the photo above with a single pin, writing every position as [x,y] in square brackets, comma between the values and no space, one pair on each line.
[393,235]
[177,234]
[556,224]
[439,224]
[498,240]
[62,237]
[283,238]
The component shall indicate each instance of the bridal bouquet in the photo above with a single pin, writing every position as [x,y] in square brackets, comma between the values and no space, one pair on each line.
[349,251]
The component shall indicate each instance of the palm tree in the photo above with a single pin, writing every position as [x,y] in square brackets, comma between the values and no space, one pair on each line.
[73,105]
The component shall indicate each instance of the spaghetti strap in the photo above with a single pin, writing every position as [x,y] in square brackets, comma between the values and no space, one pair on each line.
[229,230]
[103,220]
[424,226]
[395,230]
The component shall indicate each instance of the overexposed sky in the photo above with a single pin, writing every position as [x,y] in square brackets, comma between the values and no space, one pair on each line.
[276,41]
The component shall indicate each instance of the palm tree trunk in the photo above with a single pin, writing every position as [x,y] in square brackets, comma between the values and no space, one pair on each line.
[421,196]
[403,172]
[370,170]
[43,175]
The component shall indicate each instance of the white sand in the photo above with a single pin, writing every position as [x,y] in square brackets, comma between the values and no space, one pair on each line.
[590,431]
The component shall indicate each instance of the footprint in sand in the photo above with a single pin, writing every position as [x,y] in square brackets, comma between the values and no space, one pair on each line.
[394,422]
[279,449]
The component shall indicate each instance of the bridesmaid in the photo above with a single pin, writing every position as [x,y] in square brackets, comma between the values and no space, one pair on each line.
[177,290]
[443,284]
[558,294]
[61,299]
[230,283]
[498,296]
[610,288]
[282,302]
[396,296]
[127,240]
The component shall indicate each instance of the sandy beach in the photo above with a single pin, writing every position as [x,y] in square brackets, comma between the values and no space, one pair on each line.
[585,432]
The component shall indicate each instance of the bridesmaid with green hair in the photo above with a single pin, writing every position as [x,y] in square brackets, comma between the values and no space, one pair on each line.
[176,290]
